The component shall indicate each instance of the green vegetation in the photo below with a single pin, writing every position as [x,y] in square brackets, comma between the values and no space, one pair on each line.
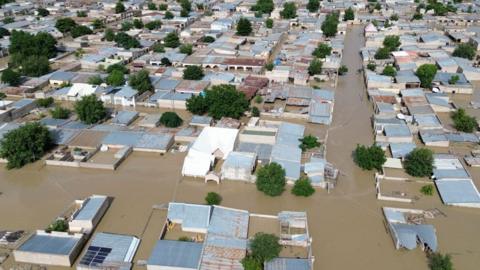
[171,40]
[81,13]
[269,23]
[81,30]
[265,247]
[258,99]
[186,8]
[213,198]
[119,7]
[98,24]
[382,53]
[2,95]
[168,15]
[427,190]
[342,70]
[126,26]
[315,67]
[255,112]
[219,101]
[269,66]
[126,41]
[116,78]
[464,122]
[109,34]
[158,48]
[171,119]
[140,81]
[264,6]
[137,23]
[185,239]
[90,110]
[392,42]
[44,102]
[65,25]
[11,77]
[251,263]
[153,25]
[369,158]
[59,225]
[437,261]
[60,113]
[151,6]
[330,25]
[271,179]
[419,162]
[289,10]
[349,14]
[24,145]
[123,69]
[244,27]
[186,49]
[464,50]
[426,73]
[313,5]
[165,62]
[303,187]
[394,17]
[308,142]
[193,73]
[162,7]
[454,79]
[8,20]
[4,32]
[389,71]
[417,16]
[95,80]
[372,66]
[42,12]
[208,39]
[323,50]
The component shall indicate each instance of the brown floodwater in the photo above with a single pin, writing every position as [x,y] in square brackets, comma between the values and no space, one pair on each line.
[347,225]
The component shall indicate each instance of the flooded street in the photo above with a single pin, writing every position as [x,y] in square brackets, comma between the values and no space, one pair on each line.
[347,225]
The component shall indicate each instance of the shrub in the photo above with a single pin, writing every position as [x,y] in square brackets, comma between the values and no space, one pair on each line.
[426,73]
[193,73]
[382,53]
[322,50]
[389,71]
[269,66]
[208,39]
[265,247]
[171,119]
[269,23]
[464,122]
[60,113]
[44,102]
[371,66]
[438,261]
[95,80]
[185,239]
[427,190]
[309,142]
[454,79]
[343,70]
[313,5]
[186,49]
[349,14]
[244,27]
[369,158]
[59,225]
[271,179]
[213,198]
[258,99]
[171,40]
[303,187]
[90,110]
[464,50]
[419,162]
[251,263]
[255,112]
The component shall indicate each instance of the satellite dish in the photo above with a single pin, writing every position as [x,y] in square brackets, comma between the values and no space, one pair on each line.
[400,116]
[436,90]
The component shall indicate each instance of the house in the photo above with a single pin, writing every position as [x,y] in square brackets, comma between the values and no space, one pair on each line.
[443,80]
[79,90]
[89,213]
[239,166]
[121,96]
[124,118]
[61,77]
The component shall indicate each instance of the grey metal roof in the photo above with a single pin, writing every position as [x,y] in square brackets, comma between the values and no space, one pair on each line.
[51,122]
[458,191]
[408,234]
[62,76]
[63,136]
[397,131]
[193,216]
[124,117]
[121,246]
[201,120]
[154,141]
[176,254]
[240,160]
[21,103]
[427,120]
[229,222]
[263,151]
[49,244]
[432,136]
[400,150]
[288,264]
[91,207]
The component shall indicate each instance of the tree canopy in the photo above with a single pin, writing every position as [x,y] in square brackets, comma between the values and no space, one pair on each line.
[25,144]
[95,80]
[126,41]
[289,10]
[193,73]
[419,162]
[171,40]
[323,50]
[11,77]
[60,113]
[426,73]
[271,179]
[264,6]
[437,261]
[42,12]
[65,25]
[109,34]
[140,81]
[389,71]
[116,78]
[81,30]
[90,110]
[303,187]
[349,14]
[392,42]
[382,53]
[152,25]
[313,5]
[269,23]
[168,15]
[330,25]
[119,7]
[186,49]
[464,122]
[369,158]
[213,198]
[315,67]
[265,247]
[208,39]
[171,119]
[308,142]
[244,27]
[464,50]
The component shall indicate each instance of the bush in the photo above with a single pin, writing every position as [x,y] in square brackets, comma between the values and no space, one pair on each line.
[193,73]
[322,51]
[119,7]
[426,73]
[454,79]
[382,53]
[90,110]
[427,190]
[342,70]
[95,80]
[303,187]
[265,247]
[118,67]
[464,122]
[309,142]
[186,49]
[208,39]
[464,50]
[171,120]
[185,239]
[371,66]
[313,5]
[60,113]
[438,261]
[140,81]
[2,95]
[44,102]
[244,27]
[213,198]
[419,162]
[168,15]
[153,25]
[251,263]
[389,71]
[269,23]
[25,144]
[349,14]
[59,225]
[264,6]
[289,10]
[171,40]
[258,99]
[271,179]
[315,67]
[369,158]
[392,42]
[269,66]
[11,77]
[255,112]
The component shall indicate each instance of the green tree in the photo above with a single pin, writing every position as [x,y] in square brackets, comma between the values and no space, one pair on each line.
[197,105]
[269,66]
[35,66]
[371,66]
[303,187]
[25,144]
[464,50]
[426,73]
[394,17]
[119,7]
[137,23]
[342,70]
[382,53]
[81,13]
[193,73]
[95,80]
[60,113]
[152,6]
[213,198]
[109,35]
[255,112]
[8,20]
[186,49]
[271,179]
[330,25]
[392,42]
[389,71]
[323,50]
[42,12]
[65,25]
[171,119]
[126,26]
[98,24]
[289,10]
[244,27]
[315,67]
[208,39]
[4,32]
[264,6]
[158,48]
[437,261]
[419,162]
[171,40]
[59,225]
[152,25]
[251,263]
[308,142]
[369,158]
[11,77]
[454,79]
[349,14]
[162,7]
[269,23]
[2,96]
[165,62]
[115,78]
[417,16]
[126,41]
[44,102]
[186,5]
[168,15]
[140,81]
[427,190]
[81,30]
[118,67]
[225,101]
[464,122]
[265,247]
[313,5]
[90,110]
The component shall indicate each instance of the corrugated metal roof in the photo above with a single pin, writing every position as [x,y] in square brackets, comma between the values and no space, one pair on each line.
[192,216]
[288,264]
[457,191]
[176,254]
[122,246]
[91,207]
[50,244]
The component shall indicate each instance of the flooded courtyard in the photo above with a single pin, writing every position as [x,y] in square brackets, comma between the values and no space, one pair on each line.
[347,225]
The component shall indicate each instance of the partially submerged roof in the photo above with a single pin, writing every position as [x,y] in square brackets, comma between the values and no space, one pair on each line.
[288,264]
[51,243]
[192,216]
[176,254]
[91,207]
[458,191]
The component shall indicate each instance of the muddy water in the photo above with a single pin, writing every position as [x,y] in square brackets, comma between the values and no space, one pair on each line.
[346,225]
